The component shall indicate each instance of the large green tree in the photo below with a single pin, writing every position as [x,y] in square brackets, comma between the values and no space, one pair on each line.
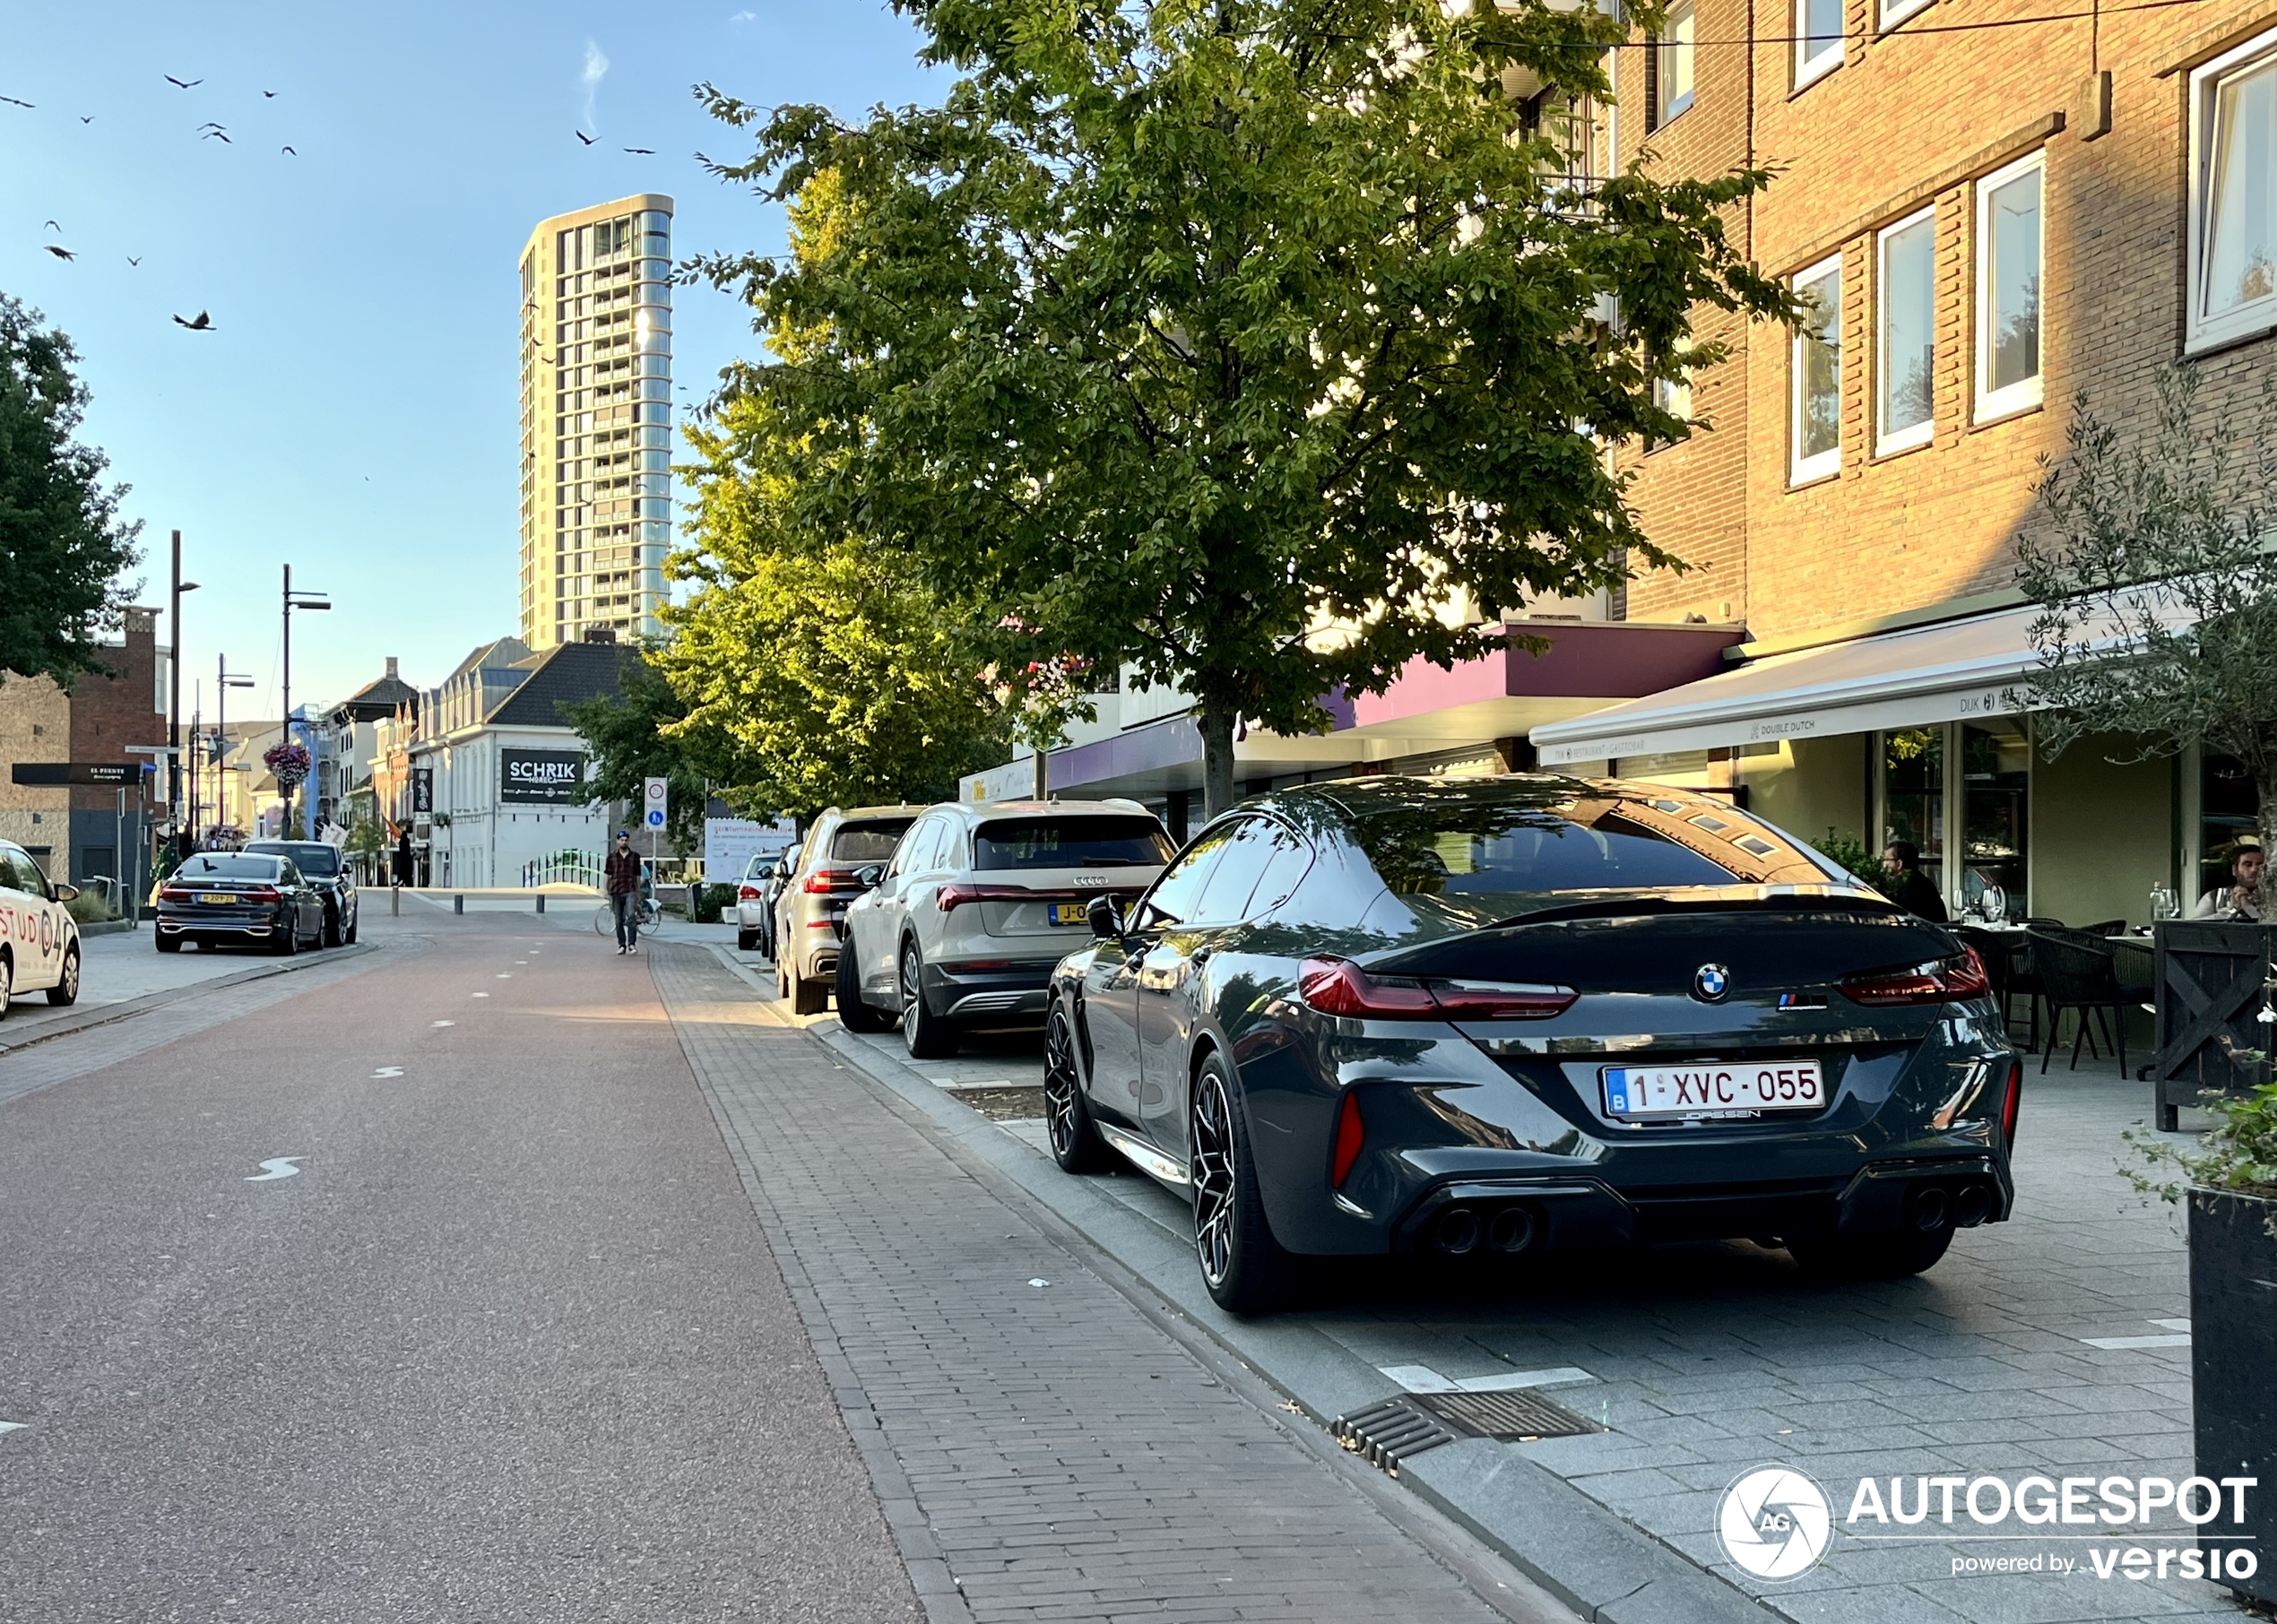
[641,731]
[1264,345]
[62,546]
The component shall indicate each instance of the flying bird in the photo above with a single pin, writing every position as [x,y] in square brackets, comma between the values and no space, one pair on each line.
[289,150]
[181,83]
[269,95]
[224,134]
[61,253]
[204,323]
[13,102]
[53,225]
[133,261]
[642,151]
[584,137]
[87,118]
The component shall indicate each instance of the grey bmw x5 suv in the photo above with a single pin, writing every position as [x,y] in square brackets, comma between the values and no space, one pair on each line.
[1491,1017]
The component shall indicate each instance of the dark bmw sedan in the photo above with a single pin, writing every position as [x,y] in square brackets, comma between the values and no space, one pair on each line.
[1491,1017]
[239,899]
[322,864]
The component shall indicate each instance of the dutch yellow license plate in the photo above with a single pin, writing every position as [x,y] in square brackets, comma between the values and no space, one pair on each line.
[1070,913]
[223,898]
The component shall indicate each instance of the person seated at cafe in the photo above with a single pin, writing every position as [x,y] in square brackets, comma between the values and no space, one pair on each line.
[1915,892]
[2240,899]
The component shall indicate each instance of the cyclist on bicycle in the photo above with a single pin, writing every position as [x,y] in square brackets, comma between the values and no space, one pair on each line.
[627,880]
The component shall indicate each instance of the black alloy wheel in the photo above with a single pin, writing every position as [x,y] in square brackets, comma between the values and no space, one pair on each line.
[66,989]
[347,937]
[287,941]
[1242,1265]
[856,1014]
[1076,1143]
[923,1034]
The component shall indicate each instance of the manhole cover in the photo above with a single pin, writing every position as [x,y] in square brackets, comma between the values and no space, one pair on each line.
[1516,1413]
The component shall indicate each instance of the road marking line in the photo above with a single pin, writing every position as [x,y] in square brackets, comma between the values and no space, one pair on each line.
[2171,1324]
[1423,1379]
[481,995]
[506,975]
[11,1426]
[446,1022]
[276,1167]
[389,1071]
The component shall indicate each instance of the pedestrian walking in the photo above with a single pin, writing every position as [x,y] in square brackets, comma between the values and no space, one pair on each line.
[624,877]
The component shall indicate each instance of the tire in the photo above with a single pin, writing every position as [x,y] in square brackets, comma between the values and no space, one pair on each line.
[855,1012]
[289,942]
[8,984]
[1245,1269]
[1076,1143]
[746,941]
[923,1034]
[330,935]
[348,938]
[66,990]
[809,997]
[604,920]
[168,944]
[1870,1257]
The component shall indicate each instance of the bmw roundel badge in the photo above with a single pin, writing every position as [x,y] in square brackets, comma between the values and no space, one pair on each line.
[1710,982]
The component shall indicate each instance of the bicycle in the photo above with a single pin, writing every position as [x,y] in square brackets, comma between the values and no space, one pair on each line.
[604,918]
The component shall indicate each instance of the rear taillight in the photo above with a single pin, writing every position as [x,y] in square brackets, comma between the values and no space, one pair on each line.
[948,899]
[1339,987]
[825,880]
[749,893]
[2012,1102]
[262,894]
[1349,1136]
[176,893]
[1944,981]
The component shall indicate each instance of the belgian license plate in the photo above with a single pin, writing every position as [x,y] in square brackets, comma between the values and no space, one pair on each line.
[1070,913]
[1714,1088]
[223,897]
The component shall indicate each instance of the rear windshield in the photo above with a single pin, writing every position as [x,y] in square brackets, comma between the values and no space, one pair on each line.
[1071,842]
[1495,861]
[870,841]
[312,857]
[230,865]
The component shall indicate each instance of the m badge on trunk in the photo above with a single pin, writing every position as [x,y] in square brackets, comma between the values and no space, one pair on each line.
[1710,982]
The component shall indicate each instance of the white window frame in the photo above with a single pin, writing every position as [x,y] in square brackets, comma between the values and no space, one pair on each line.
[1802,470]
[1894,12]
[1918,434]
[2201,331]
[2027,393]
[1666,49]
[1809,70]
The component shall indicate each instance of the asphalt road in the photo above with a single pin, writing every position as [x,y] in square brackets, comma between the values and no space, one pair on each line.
[509,1344]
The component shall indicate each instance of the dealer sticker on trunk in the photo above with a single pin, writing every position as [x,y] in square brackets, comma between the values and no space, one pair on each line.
[1708,1088]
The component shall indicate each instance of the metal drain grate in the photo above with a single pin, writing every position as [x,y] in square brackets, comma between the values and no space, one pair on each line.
[1512,1413]
[1385,1434]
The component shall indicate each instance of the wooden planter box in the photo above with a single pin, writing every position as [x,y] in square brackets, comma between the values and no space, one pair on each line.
[2210,977]
[2233,1374]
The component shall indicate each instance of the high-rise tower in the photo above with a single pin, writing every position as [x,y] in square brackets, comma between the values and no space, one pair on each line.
[596,420]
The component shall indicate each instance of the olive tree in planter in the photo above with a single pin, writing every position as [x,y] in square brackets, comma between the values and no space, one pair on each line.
[2230,1183]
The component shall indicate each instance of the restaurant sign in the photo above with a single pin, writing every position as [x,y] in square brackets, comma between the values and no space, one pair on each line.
[551,778]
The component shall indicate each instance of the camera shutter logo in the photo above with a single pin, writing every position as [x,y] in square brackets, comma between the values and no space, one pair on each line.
[1775,1523]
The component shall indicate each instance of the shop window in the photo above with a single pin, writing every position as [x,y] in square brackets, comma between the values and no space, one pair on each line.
[2226,815]
[1913,794]
[1905,313]
[1995,817]
[1818,39]
[2233,195]
[2008,278]
[1817,373]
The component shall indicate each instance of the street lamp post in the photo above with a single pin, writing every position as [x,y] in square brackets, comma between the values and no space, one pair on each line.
[183,830]
[293,601]
[226,679]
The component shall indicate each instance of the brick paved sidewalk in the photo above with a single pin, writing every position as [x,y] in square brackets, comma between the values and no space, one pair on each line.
[1044,1451]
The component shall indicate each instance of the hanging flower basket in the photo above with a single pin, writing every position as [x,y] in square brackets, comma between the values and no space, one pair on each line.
[288,762]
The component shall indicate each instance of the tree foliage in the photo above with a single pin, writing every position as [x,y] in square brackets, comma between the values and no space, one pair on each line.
[640,732]
[63,545]
[1256,343]
[2158,585]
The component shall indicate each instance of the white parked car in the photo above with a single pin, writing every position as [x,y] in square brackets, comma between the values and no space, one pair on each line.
[39,938]
[981,900]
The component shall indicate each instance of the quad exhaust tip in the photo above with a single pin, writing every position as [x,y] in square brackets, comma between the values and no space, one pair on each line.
[1459,1230]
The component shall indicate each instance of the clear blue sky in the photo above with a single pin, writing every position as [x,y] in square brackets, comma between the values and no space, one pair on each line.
[354,409]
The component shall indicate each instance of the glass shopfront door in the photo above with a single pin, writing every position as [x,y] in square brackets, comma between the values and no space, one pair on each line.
[1986,871]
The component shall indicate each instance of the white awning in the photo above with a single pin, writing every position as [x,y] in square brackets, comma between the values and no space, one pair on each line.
[1953,671]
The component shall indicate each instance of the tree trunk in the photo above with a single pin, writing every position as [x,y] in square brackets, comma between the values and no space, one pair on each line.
[1216,723]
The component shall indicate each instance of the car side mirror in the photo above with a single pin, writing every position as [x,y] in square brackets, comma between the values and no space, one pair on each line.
[1105,917]
[868,875]
[64,894]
